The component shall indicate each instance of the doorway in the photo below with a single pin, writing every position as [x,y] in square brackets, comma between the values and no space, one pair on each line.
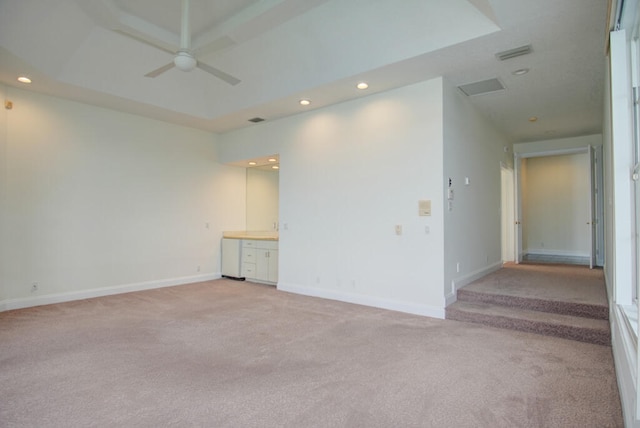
[559,206]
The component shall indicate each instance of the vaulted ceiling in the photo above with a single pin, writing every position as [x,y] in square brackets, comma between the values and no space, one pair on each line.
[281,51]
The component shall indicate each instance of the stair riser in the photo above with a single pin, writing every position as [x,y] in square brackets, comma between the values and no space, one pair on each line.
[564,308]
[598,337]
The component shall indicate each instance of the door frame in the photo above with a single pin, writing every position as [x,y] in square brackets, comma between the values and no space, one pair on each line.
[597,205]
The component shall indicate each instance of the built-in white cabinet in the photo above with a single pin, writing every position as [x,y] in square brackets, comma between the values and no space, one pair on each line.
[267,263]
[260,260]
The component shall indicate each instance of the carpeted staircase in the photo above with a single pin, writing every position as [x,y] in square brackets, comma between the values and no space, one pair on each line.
[585,322]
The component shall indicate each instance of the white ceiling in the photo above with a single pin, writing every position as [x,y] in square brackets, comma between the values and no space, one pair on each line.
[98,51]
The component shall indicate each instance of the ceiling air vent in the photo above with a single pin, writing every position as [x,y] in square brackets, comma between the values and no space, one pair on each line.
[256,120]
[483,87]
[512,53]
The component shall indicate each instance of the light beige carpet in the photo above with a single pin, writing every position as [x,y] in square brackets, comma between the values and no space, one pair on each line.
[566,283]
[233,354]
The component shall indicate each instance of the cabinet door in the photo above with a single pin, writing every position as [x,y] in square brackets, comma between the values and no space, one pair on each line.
[273,265]
[262,264]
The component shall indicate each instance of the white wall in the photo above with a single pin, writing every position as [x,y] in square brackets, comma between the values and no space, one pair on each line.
[262,200]
[348,174]
[473,149]
[100,200]
[557,206]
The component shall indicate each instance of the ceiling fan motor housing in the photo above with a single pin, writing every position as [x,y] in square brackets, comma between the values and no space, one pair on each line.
[185,61]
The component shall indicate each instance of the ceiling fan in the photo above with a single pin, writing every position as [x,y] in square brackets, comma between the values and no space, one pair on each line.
[184,59]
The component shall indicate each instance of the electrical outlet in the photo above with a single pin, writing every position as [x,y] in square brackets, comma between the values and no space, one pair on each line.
[198,269]
[34,287]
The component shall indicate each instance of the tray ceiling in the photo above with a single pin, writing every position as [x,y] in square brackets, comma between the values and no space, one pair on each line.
[98,51]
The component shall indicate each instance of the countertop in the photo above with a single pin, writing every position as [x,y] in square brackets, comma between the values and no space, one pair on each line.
[256,235]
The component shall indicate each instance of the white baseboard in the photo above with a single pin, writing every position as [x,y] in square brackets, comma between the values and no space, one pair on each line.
[458,283]
[359,299]
[561,253]
[49,299]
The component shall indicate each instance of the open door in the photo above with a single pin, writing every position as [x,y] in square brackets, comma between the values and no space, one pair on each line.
[518,208]
[507,209]
[592,207]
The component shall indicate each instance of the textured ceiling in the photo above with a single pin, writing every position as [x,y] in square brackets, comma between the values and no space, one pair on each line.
[98,51]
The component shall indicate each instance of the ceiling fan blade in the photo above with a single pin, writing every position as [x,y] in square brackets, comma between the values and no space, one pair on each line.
[219,74]
[159,71]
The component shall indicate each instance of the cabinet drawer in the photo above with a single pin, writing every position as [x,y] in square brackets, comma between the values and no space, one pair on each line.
[248,244]
[249,255]
[249,270]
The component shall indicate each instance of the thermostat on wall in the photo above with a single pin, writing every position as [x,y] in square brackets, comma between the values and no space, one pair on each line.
[424,208]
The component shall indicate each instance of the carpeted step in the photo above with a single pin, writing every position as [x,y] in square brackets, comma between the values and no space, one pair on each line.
[586,310]
[550,324]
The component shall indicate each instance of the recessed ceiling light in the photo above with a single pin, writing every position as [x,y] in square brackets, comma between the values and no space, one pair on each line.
[305,102]
[520,71]
[362,85]
[24,79]
[252,163]
[533,119]
[275,167]
[273,160]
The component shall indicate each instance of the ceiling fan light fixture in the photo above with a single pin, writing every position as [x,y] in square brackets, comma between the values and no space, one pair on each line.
[185,61]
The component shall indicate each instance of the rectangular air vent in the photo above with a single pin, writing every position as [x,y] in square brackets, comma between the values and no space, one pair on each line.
[512,53]
[483,87]
[256,120]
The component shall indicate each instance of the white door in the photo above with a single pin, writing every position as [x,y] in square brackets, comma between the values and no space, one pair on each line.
[518,208]
[507,209]
[592,208]
[599,205]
